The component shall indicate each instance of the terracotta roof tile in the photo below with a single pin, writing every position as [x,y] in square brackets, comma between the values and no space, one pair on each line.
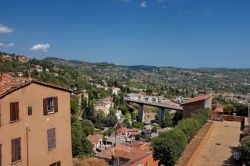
[196,99]
[9,84]
[129,152]
[219,109]
[95,138]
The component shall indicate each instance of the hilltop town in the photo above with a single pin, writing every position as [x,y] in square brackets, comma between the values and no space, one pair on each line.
[104,114]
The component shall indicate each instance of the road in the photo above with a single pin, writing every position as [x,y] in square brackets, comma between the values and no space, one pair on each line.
[219,145]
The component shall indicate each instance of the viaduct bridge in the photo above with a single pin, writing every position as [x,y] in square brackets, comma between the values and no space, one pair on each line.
[162,107]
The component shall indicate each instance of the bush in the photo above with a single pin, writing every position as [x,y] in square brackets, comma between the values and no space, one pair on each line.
[177,117]
[168,147]
[201,116]
[139,125]
[189,127]
[77,136]
[123,109]
[87,127]
[167,121]
[245,150]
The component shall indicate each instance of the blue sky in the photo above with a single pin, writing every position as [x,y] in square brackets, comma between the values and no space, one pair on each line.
[181,33]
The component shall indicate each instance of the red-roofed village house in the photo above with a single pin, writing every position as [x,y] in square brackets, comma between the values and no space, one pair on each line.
[35,127]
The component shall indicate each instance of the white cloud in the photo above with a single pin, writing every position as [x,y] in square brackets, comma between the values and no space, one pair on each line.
[6,44]
[144,4]
[40,47]
[5,29]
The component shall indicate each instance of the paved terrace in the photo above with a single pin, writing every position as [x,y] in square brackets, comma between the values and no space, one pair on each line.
[220,145]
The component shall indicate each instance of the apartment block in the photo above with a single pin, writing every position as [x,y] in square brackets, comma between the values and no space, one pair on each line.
[35,127]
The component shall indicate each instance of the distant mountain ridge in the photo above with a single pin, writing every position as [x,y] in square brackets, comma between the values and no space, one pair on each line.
[170,80]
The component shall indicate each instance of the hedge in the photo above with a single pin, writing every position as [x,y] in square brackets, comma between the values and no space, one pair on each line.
[245,150]
[201,116]
[189,126]
[168,147]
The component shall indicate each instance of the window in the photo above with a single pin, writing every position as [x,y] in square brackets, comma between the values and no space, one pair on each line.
[58,163]
[14,112]
[0,155]
[51,138]
[29,110]
[15,150]
[50,105]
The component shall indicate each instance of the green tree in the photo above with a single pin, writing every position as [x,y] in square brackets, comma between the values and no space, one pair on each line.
[139,125]
[100,118]
[77,136]
[87,127]
[115,100]
[167,121]
[189,127]
[74,105]
[201,116]
[177,117]
[84,105]
[87,148]
[111,119]
[228,108]
[123,109]
[245,150]
[90,112]
[168,147]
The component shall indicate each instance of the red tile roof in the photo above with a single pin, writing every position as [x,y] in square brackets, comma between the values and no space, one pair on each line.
[145,159]
[125,131]
[95,138]
[219,109]
[196,99]
[9,84]
[129,152]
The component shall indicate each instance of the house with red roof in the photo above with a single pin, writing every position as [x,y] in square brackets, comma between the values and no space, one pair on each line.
[136,153]
[197,103]
[35,126]
[97,141]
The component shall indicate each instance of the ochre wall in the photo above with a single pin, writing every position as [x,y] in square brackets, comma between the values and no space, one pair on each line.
[189,108]
[38,154]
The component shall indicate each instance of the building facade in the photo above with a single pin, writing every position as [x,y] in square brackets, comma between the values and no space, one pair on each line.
[197,103]
[35,127]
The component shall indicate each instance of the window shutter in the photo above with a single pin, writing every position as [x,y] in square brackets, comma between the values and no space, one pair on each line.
[55,104]
[19,148]
[45,107]
[15,150]
[11,112]
[17,110]
[51,138]
[12,150]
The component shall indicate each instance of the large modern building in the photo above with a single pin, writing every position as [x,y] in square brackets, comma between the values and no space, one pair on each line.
[197,103]
[35,127]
